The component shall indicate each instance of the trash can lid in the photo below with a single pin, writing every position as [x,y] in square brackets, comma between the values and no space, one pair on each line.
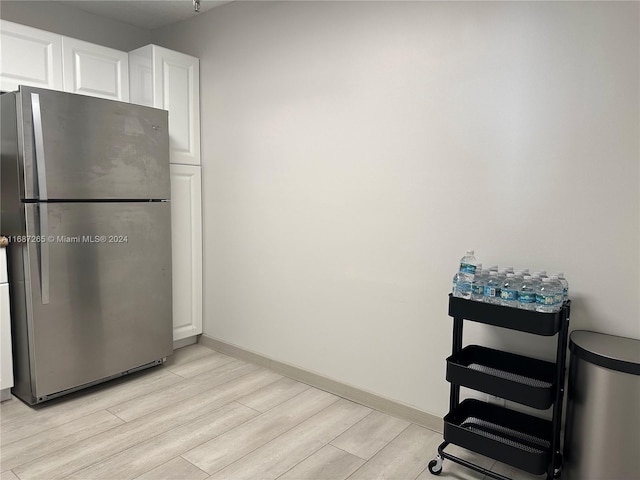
[616,353]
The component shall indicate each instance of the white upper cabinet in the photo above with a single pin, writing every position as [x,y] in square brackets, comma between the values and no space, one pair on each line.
[29,56]
[37,58]
[170,80]
[95,70]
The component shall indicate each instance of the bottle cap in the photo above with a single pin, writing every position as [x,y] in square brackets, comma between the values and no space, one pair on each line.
[470,252]
[479,266]
[546,280]
[509,275]
[493,273]
[493,267]
[527,277]
[553,277]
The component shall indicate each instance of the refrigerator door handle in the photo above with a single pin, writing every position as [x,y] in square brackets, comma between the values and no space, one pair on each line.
[43,210]
[39,144]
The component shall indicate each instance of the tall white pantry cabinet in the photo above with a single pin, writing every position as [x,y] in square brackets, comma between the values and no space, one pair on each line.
[152,76]
[170,80]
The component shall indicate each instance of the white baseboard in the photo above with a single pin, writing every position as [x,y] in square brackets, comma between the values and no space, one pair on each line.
[369,399]
[5,394]
[184,342]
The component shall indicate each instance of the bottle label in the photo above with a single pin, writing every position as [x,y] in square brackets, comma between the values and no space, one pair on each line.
[527,297]
[546,299]
[477,289]
[463,287]
[468,268]
[507,294]
[489,291]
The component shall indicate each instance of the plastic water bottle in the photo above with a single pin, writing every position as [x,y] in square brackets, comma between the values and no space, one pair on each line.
[509,291]
[565,286]
[502,276]
[477,287]
[466,274]
[536,280]
[547,296]
[541,273]
[527,294]
[558,285]
[455,283]
[492,289]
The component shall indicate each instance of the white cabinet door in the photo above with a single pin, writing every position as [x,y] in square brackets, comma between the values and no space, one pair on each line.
[170,80]
[95,70]
[186,246]
[29,56]
[6,362]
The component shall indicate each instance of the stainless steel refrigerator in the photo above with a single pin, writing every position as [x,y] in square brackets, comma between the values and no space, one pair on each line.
[85,202]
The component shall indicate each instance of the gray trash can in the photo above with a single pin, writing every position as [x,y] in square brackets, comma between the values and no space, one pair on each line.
[602,431]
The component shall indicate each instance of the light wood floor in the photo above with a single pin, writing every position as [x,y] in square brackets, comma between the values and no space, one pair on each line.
[205,415]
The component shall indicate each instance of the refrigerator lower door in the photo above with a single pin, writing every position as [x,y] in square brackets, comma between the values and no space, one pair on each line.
[106,269]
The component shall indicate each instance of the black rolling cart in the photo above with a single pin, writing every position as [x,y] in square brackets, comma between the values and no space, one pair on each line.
[524,441]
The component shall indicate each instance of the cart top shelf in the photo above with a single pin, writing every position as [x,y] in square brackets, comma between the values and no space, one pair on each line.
[538,323]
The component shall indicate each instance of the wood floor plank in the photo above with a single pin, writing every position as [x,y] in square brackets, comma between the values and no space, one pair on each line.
[14,408]
[452,470]
[60,411]
[278,392]
[201,365]
[66,461]
[154,452]
[512,472]
[405,457]
[141,406]
[176,469]
[238,420]
[328,463]
[370,435]
[225,449]
[184,355]
[284,452]
[54,439]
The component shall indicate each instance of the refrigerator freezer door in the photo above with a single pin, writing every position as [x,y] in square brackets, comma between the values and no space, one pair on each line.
[82,148]
[109,279]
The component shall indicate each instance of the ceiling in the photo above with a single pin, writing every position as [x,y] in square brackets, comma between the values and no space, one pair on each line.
[144,13]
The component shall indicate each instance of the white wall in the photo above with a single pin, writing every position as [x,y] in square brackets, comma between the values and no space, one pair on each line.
[353,151]
[72,22]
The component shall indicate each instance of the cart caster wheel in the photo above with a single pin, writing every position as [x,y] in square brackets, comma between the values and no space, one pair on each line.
[557,470]
[435,466]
